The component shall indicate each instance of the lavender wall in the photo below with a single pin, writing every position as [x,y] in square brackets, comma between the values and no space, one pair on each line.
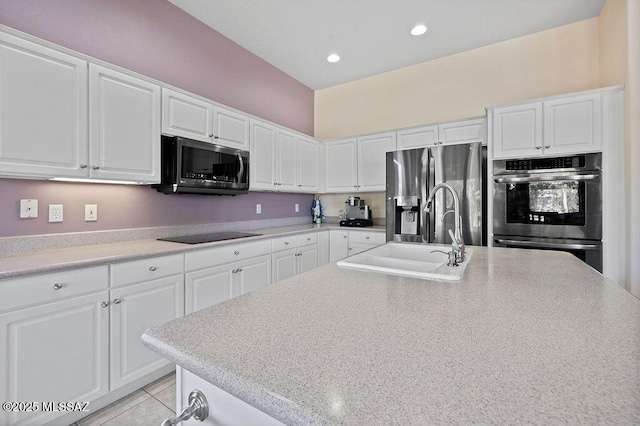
[125,206]
[157,39]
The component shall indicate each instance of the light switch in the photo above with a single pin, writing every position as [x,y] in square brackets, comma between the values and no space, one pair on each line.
[258,208]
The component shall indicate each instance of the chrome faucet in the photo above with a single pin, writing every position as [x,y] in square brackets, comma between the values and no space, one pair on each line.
[457,243]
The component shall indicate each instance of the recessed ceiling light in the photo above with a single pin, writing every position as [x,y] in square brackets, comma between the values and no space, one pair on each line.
[419,30]
[333,58]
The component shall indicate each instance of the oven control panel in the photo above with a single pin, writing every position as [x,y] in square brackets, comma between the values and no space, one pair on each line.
[574,162]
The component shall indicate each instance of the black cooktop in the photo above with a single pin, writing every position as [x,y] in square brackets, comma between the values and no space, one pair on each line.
[208,238]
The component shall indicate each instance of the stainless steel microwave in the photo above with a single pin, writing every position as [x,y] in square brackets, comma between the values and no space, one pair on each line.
[193,167]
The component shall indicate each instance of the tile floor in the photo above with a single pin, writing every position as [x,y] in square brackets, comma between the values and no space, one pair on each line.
[150,405]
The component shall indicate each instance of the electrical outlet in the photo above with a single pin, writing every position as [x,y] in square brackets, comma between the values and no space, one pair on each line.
[90,212]
[297,208]
[28,208]
[55,213]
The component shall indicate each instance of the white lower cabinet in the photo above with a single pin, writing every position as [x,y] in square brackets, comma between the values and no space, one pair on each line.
[210,286]
[348,243]
[301,257]
[224,408]
[134,309]
[57,351]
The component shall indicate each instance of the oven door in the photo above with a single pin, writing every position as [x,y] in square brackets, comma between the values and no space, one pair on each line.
[548,204]
[589,251]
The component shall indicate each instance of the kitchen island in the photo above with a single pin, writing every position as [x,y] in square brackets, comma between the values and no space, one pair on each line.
[527,336]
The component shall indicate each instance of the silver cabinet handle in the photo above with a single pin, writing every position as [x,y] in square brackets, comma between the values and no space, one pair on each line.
[234,271]
[350,248]
[95,167]
[547,146]
[538,147]
[57,286]
[286,243]
[216,137]
[83,166]
[367,237]
[344,236]
[236,252]
[117,301]
[239,269]
[198,409]
[104,304]
[211,135]
[152,268]
[308,238]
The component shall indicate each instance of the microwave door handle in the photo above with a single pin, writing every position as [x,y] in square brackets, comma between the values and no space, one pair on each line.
[544,178]
[241,171]
[550,245]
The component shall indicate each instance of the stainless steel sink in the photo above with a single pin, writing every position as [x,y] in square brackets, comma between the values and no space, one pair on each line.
[426,261]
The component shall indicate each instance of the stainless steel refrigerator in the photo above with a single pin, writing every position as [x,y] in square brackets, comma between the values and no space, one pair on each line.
[412,173]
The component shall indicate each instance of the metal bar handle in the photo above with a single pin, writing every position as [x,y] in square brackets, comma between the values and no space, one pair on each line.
[591,175]
[570,246]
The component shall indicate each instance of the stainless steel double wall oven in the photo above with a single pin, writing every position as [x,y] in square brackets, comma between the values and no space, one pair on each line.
[550,203]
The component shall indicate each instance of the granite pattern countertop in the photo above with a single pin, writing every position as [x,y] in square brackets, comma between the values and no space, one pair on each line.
[526,337]
[63,259]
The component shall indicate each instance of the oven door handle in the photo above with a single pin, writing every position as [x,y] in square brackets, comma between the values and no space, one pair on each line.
[532,244]
[591,175]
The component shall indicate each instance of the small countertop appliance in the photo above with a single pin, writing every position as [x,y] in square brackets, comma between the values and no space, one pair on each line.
[357,213]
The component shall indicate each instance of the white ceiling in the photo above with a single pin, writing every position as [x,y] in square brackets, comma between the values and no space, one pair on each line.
[372,36]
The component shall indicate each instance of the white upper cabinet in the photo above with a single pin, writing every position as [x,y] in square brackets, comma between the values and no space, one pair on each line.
[282,160]
[124,114]
[573,124]
[464,131]
[308,165]
[341,165]
[230,128]
[372,160]
[43,111]
[186,116]
[193,118]
[418,137]
[517,130]
[358,164]
[286,145]
[562,125]
[262,163]
[455,132]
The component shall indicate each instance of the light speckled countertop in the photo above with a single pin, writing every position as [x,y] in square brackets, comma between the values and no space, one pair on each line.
[527,337]
[63,259]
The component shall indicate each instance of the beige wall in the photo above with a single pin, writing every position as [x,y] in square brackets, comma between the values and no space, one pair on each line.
[559,60]
[613,43]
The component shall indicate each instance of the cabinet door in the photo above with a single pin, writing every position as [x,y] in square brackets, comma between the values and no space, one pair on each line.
[573,124]
[323,248]
[465,131]
[124,126]
[263,162]
[341,165]
[283,265]
[254,273]
[308,258]
[338,245]
[54,352]
[286,161]
[419,137]
[186,116]
[372,160]
[208,287]
[230,128]
[43,111]
[134,309]
[308,165]
[517,131]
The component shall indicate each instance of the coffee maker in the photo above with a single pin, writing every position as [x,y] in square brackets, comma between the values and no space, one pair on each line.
[357,213]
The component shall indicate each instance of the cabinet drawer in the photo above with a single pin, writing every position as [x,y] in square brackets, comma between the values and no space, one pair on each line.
[146,269]
[283,243]
[18,292]
[225,254]
[367,237]
[307,239]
